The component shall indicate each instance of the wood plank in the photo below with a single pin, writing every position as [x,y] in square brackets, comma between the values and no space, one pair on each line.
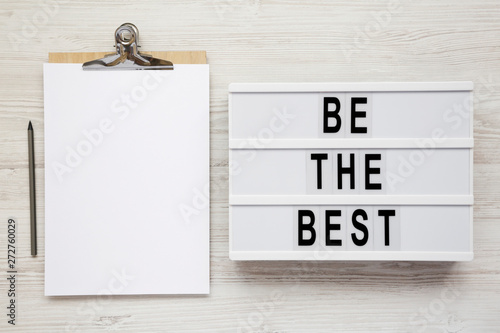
[177,57]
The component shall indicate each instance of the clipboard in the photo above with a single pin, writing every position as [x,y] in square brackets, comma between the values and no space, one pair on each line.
[127,39]
[177,57]
[98,240]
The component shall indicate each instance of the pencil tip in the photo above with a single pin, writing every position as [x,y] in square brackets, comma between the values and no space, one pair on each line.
[30,127]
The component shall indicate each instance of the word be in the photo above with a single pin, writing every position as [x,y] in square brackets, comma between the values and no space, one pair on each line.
[346,114]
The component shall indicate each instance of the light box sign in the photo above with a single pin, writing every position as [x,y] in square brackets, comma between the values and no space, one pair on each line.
[346,171]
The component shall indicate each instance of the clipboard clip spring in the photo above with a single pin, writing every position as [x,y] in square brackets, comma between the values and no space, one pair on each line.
[127,56]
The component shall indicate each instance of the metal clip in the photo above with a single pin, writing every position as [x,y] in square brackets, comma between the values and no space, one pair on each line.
[127,56]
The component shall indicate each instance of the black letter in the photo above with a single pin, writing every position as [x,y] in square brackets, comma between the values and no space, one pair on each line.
[357,114]
[328,227]
[360,226]
[319,158]
[310,227]
[371,171]
[386,214]
[347,170]
[331,114]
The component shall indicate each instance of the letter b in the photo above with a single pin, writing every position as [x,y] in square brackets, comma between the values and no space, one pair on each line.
[306,227]
[327,101]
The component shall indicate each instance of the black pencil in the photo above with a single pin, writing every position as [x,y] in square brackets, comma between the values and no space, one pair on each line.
[31,153]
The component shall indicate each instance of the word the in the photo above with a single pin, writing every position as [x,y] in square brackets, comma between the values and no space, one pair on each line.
[332,167]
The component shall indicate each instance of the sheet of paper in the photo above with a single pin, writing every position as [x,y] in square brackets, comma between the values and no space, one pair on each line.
[126,181]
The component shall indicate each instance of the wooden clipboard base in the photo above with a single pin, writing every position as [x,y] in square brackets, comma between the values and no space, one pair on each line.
[177,57]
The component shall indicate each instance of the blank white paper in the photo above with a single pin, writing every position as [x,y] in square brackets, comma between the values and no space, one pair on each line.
[126,181]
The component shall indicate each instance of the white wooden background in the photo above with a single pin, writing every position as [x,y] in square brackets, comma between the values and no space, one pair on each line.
[265,41]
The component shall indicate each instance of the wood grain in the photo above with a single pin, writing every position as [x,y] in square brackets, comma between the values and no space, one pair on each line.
[265,41]
[176,57]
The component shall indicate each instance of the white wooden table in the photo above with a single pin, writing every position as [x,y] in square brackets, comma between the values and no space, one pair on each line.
[264,41]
